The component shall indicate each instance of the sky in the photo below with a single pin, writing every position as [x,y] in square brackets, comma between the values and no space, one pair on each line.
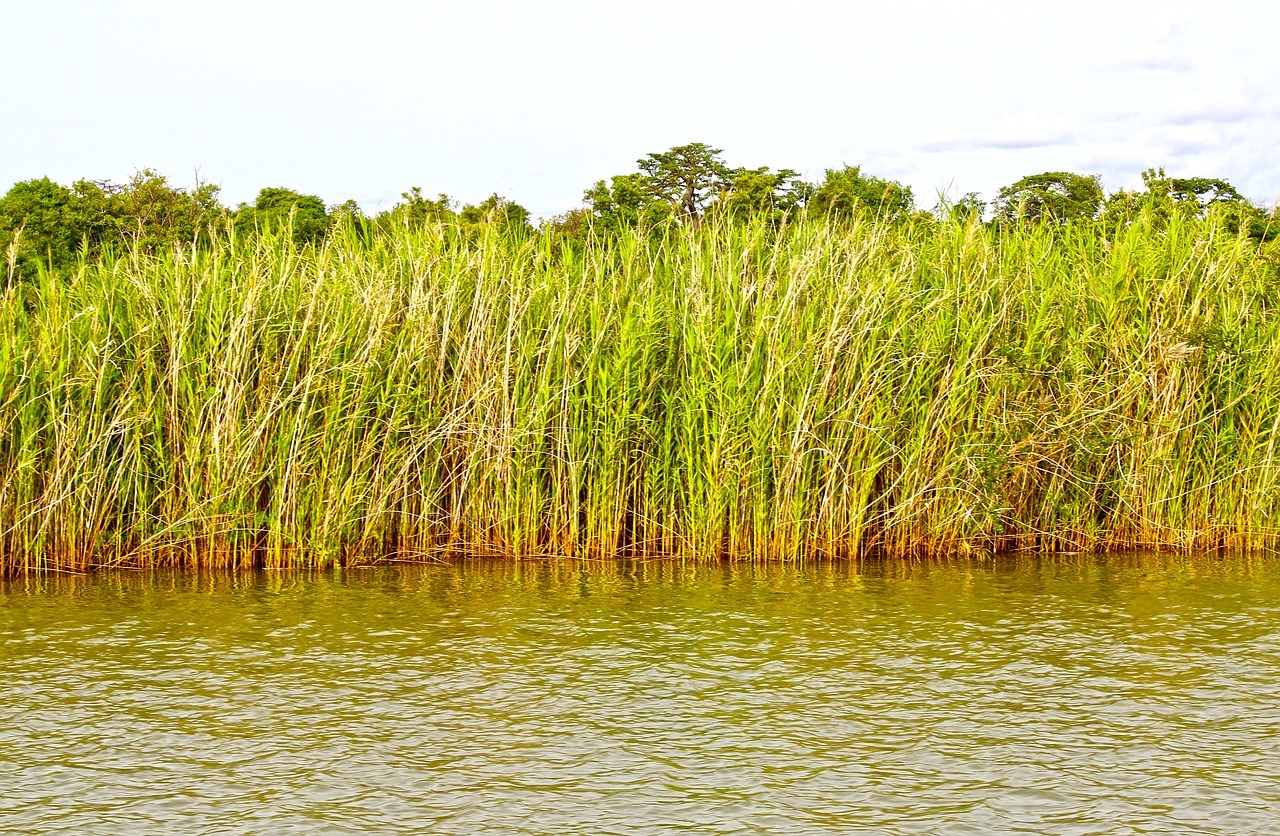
[537,101]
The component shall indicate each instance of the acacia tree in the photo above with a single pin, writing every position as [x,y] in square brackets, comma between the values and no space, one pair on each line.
[1195,193]
[690,181]
[687,176]
[1055,196]
[1200,197]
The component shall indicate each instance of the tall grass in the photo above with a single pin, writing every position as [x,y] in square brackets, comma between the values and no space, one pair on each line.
[722,392]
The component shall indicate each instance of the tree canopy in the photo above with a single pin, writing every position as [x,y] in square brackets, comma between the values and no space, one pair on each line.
[687,176]
[504,214]
[627,201]
[44,223]
[277,208]
[416,209]
[1199,192]
[758,191]
[1058,197]
[847,190]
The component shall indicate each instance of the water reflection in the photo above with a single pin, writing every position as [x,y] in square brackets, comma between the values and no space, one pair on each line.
[1072,695]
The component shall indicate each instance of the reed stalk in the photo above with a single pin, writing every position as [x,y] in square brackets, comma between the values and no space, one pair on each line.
[732,391]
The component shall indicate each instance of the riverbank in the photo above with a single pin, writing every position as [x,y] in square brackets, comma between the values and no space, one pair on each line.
[727,392]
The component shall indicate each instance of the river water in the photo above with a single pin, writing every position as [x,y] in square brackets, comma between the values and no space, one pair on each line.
[1136,694]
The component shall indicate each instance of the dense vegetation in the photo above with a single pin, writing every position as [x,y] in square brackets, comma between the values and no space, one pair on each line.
[766,370]
[44,225]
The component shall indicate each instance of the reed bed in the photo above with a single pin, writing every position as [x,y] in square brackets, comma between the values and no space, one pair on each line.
[729,392]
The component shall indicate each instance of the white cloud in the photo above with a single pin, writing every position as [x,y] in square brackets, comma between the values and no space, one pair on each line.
[1214,106]
[1164,51]
[1009,133]
[1161,145]
[1170,63]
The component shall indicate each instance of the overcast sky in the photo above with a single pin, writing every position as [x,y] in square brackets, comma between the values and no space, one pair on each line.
[536,101]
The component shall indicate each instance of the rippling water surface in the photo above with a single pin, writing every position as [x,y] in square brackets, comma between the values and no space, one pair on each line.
[1119,695]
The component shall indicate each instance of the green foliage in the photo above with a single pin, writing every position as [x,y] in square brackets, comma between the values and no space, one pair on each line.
[1054,197]
[628,201]
[760,191]
[47,224]
[847,191]
[279,208]
[690,182]
[1265,226]
[348,219]
[417,210]
[687,176]
[498,212]
[41,222]
[155,214]
[44,224]
[1165,198]
[572,228]
[1195,193]
[348,210]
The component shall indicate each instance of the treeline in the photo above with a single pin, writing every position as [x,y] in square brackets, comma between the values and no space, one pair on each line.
[46,224]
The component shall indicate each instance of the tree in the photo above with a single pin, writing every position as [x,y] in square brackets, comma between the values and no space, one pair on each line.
[1265,226]
[1194,197]
[346,210]
[846,191]
[504,214]
[761,191]
[348,218]
[416,209]
[572,227]
[687,176]
[44,223]
[277,207]
[1197,193]
[1058,197]
[692,181]
[626,202]
[156,214]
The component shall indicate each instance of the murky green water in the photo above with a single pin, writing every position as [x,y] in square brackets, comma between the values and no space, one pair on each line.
[1121,695]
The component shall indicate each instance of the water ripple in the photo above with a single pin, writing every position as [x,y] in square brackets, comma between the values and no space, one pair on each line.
[1029,697]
